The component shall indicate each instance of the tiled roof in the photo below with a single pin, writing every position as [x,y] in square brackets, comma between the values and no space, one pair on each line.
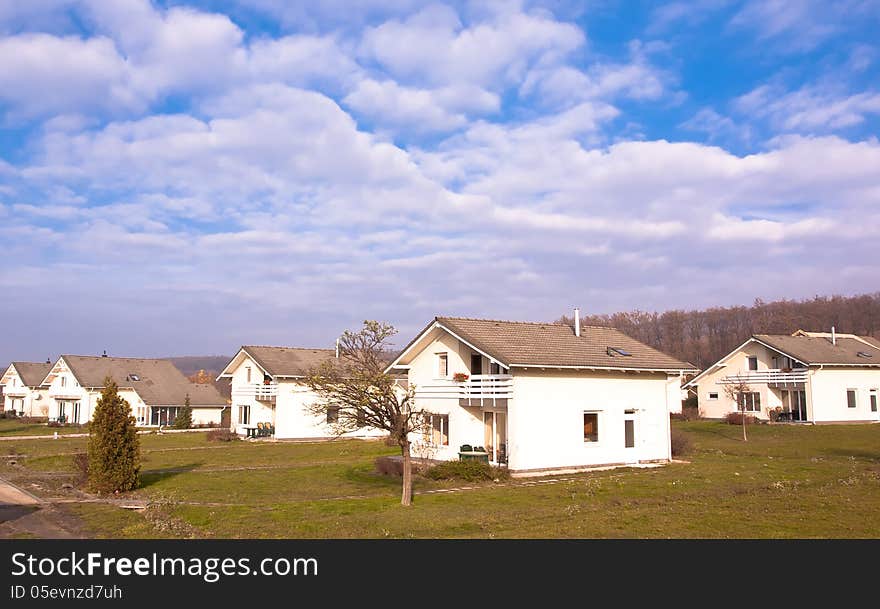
[818,349]
[157,381]
[288,361]
[32,373]
[548,344]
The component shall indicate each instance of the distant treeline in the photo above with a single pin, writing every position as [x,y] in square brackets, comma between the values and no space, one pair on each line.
[191,364]
[703,337]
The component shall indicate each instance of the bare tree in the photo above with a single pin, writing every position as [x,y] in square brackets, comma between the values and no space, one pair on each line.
[356,389]
[737,391]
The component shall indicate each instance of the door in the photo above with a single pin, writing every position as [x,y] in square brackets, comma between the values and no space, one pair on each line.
[495,436]
[630,431]
[74,417]
[476,363]
[872,399]
[62,411]
[799,405]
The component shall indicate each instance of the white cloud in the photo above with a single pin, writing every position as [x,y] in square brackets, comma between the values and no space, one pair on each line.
[812,108]
[433,47]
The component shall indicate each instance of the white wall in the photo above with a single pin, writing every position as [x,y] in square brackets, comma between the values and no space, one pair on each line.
[738,363]
[545,425]
[829,387]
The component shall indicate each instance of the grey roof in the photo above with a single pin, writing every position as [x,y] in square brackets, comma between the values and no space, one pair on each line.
[288,361]
[159,382]
[549,344]
[815,350]
[32,373]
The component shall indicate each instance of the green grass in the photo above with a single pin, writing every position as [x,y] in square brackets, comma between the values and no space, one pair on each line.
[15,427]
[786,481]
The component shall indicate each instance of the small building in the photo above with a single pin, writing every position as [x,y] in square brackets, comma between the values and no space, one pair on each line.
[23,388]
[267,389]
[541,397]
[816,377]
[154,388]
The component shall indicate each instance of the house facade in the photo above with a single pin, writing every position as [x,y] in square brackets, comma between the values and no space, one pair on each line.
[814,377]
[266,387]
[155,389]
[23,388]
[541,397]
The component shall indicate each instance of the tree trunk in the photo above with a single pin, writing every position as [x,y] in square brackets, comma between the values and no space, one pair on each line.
[406,498]
[745,439]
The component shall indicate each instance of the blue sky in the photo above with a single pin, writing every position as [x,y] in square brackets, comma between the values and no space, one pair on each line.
[183,178]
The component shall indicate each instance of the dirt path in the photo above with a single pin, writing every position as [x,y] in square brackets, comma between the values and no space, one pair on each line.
[24,515]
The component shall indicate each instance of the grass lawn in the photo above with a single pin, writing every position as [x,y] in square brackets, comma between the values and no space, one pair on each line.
[786,481]
[15,427]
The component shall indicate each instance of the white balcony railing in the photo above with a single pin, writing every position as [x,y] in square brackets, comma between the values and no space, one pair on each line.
[478,386]
[18,392]
[262,392]
[771,376]
[66,393]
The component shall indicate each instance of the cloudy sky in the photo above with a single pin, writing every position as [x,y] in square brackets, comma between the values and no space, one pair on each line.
[182,178]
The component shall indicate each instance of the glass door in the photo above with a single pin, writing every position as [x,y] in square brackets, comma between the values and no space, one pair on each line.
[495,436]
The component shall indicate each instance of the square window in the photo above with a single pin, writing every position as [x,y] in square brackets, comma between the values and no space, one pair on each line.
[713,395]
[591,427]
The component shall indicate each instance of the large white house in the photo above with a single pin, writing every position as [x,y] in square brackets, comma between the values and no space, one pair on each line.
[541,397]
[267,388]
[23,388]
[154,388]
[818,377]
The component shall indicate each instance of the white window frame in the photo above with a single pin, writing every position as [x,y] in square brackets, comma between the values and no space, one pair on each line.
[752,409]
[242,410]
[599,423]
[442,356]
[875,398]
[429,429]
[715,394]
[247,372]
[749,359]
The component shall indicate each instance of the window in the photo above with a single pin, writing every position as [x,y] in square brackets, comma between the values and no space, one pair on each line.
[713,395]
[494,368]
[247,372]
[629,433]
[244,415]
[873,399]
[614,351]
[133,377]
[141,415]
[360,418]
[442,365]
[332,414]
[851,398]
[437,429]
[864,354]
[753,363]
[591,427]
[64,381]
[750,402]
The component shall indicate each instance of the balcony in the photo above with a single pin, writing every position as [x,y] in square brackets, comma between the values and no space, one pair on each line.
[66,393]
[476,387]
[260,392]
[18,392]
[772,376]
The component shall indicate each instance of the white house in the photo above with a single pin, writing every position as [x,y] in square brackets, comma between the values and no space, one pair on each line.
[818,377]
[542,397]
[154,388]
[267,388]
[23,389]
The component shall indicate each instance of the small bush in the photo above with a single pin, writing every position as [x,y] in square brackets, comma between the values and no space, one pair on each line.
[681,443]
[736,418]
[469,471]
[33,420]
[221,435]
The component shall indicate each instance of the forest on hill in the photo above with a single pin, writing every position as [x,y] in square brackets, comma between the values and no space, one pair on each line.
[702,337]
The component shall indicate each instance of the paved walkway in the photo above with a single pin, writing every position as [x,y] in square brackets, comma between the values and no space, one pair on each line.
[25,515]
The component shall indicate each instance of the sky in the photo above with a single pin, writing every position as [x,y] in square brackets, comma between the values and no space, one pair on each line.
[184,178]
